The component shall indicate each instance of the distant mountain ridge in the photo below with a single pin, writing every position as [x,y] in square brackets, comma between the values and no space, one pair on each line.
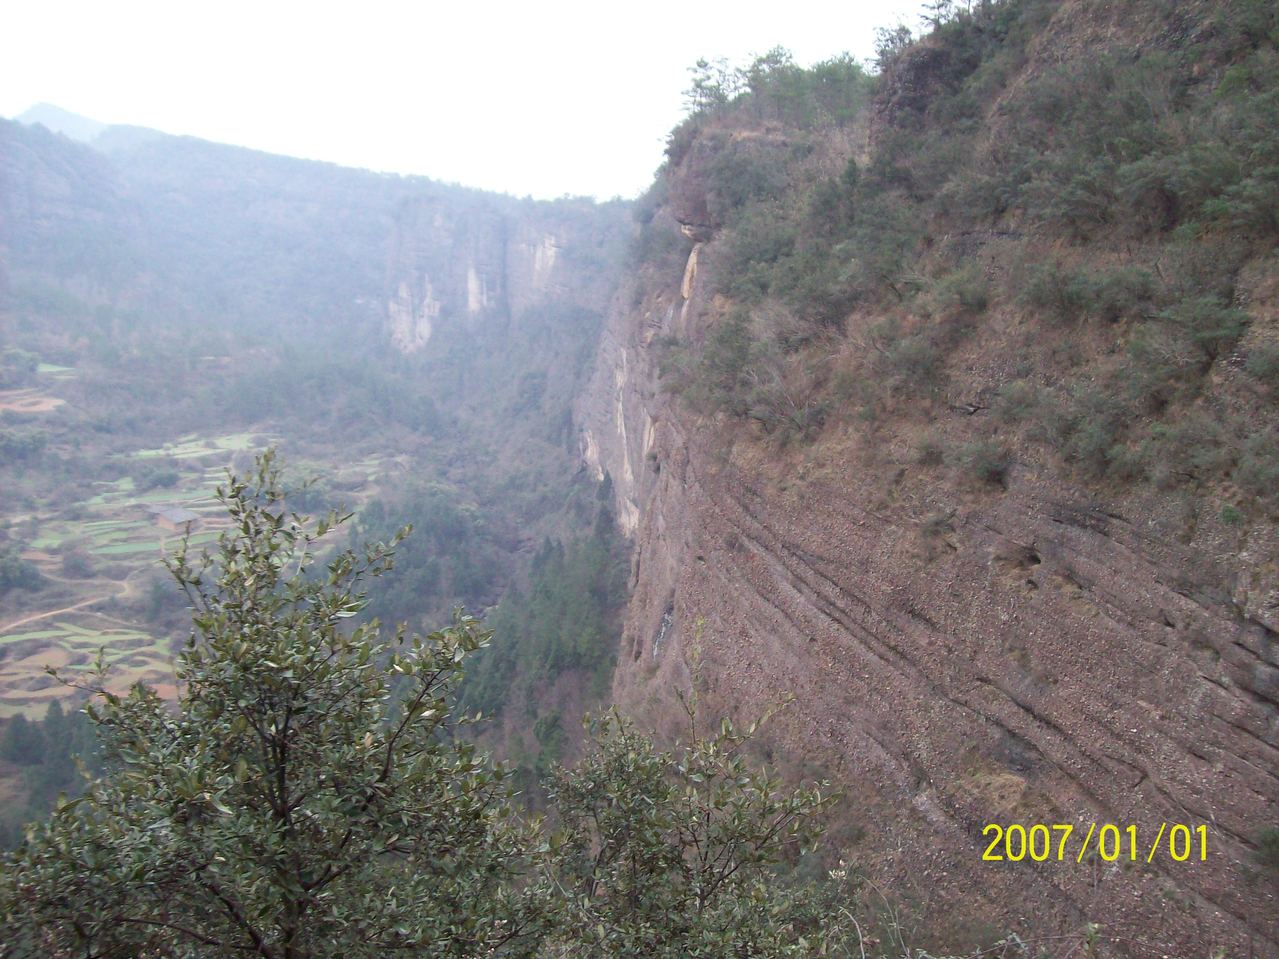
[54,118]
[105,137]
[230,233]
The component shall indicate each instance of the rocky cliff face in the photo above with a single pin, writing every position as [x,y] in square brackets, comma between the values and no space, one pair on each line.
[1035,650]
[1054,661]
[478,260]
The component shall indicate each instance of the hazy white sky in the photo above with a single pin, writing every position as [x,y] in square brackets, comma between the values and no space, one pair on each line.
[529,98]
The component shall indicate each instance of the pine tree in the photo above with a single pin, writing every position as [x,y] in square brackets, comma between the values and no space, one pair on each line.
[22,742]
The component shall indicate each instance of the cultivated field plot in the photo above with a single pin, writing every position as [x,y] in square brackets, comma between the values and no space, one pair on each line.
[117,524]
[125,532]
[71,646]
[195,446]
[28,401]
[56,371]
[34,400]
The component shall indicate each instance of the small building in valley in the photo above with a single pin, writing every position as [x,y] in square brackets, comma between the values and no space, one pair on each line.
[177,520]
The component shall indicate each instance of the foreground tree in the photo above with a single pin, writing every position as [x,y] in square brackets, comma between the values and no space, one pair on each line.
[307,797]
[304,799]
[675,853]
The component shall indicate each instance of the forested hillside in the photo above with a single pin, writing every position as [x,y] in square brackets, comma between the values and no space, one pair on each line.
[172,305]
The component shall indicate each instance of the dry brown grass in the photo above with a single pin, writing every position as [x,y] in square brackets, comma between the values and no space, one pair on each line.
[28,401]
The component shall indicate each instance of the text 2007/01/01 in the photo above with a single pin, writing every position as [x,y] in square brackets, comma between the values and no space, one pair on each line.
[1059,842]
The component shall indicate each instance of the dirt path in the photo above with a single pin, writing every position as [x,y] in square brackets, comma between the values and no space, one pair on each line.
[126,589]
[5,627]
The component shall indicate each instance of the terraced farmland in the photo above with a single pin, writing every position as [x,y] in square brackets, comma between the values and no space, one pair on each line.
[71,646]
[194,446]
[121,543]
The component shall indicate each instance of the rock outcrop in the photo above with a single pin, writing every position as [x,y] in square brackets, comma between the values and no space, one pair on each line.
[1032,651]
[465,260]
[1037,656]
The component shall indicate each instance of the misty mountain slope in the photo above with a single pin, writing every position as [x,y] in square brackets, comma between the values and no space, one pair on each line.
[147,235]
[243,237]
[65,212]
[169,304]
[58,120]
[952,411]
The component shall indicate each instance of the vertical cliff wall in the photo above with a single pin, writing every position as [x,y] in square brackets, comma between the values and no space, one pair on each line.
[1050,659]
[1025,647]
[467,262]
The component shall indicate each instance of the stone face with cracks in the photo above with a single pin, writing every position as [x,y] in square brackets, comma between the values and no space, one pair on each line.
[461,262]
[1039,656]
[1050,665]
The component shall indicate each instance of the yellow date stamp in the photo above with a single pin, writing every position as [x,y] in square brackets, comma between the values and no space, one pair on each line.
[1062,842]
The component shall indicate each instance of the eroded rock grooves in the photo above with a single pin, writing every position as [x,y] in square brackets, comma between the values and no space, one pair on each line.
[1048,658]
[1034,652]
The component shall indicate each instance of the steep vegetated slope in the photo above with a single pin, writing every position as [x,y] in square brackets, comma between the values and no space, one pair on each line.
[947,402]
